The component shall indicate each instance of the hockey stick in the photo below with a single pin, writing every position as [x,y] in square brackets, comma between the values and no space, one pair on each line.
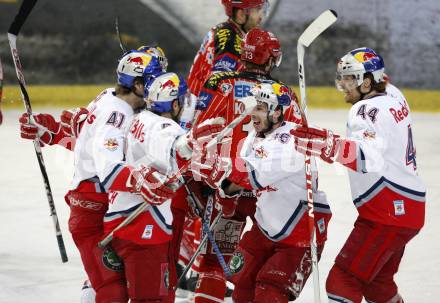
[199,249]
[249,103]
[208,232]
[319,25]
[121,44]
[13,31]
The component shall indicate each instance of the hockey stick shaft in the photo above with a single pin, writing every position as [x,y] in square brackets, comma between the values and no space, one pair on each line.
[249,104]
[199,249]
[14,29]
[320,24]
[208,232]
[118,33]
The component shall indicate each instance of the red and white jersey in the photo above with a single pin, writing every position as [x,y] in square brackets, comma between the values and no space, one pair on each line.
[277,173]
[99,149]
[385,185]
[149,142]
[219,52]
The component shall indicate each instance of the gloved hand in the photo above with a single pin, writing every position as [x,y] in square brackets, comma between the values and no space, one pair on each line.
[44,127]
[198,137]
[150,183]
[72,120]
[228,202]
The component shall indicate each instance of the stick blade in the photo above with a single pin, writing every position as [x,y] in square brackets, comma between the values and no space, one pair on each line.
[319,25]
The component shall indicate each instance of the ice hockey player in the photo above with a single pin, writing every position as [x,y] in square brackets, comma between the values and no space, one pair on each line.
[156,147]
[99,167]
[272,262]
[261,53]
[219,52]
[380,154]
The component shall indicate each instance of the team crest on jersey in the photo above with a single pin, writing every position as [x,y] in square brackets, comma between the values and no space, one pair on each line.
[399,207]
[260,152]
[369,134]
[226,88]
[283,137]
[111,260]
[111,144]
[237,262]
[148,232]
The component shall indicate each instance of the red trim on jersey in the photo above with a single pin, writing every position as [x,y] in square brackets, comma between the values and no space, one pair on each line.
[120,182]
[385,208]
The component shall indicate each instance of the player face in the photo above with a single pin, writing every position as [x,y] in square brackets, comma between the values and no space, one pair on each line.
[255,17]
[260,122]
[348,85]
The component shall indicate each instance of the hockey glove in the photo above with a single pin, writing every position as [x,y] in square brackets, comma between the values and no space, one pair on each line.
[198,137]
[227,202]
[323,143]
[42,127]
[150,183]
[72,120]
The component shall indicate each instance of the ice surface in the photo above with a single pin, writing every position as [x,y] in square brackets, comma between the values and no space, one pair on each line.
[31,269]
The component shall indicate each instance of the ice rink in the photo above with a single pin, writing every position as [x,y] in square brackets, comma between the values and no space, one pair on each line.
[31,269]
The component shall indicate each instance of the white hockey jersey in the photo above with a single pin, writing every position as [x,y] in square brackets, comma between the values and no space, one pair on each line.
[99,149]
[276,170]
[149,142]
[385,186]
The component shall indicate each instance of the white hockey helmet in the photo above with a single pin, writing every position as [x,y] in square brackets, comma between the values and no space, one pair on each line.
[357,63]
[163,89]
[157,52]
[273,94]
[135,64]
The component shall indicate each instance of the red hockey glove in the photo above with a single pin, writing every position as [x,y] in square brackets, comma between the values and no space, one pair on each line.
[44,127]
[212,169]
[150,183]
[227,202]
[72,120]
[325,144]
[198,137]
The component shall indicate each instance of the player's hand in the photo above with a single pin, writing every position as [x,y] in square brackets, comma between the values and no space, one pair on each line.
[44,127]
[150,183]
[228,203]
[72,120]
[198,137]
[316,142]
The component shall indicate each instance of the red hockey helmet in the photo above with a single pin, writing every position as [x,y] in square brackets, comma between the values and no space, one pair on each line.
[259,45]
[243,4]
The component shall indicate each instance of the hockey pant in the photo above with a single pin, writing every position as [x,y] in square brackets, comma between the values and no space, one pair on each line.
[147,270]
[366,265]
[103,267]
[267,271]
[211,285]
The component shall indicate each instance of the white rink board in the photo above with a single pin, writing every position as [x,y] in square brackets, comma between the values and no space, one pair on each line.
[31,269]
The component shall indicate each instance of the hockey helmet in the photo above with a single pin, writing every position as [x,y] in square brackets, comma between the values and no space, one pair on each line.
[243,4]
[163,89]
[357,63]
[259,45]
[273,94]
[135,64]
[158,52]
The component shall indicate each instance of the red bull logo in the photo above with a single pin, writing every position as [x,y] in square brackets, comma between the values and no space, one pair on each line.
[169,83]
[136,60]
[364,56]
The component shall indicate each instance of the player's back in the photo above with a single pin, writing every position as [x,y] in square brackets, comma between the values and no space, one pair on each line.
[100,145]
[383,126]
[219,52]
